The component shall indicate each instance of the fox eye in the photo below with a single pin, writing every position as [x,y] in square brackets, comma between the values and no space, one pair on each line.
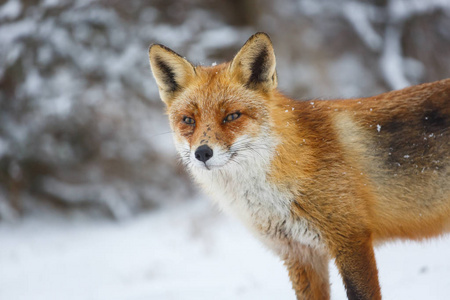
[188,120]
[232,117]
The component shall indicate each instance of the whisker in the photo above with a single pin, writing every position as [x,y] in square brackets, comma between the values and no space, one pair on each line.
[159,134]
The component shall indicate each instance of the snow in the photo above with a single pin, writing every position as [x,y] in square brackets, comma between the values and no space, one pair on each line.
[10,9]
[186,252]
[392,60]
[14,31]
[402,10]
[357,14]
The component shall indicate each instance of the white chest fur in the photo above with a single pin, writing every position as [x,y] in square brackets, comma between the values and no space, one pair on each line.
[244,191]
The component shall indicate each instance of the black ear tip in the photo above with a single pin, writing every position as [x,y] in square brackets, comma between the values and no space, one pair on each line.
[261,35]
[150,47]
[155,46]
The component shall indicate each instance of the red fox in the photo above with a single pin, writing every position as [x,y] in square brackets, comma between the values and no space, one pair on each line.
[313,180]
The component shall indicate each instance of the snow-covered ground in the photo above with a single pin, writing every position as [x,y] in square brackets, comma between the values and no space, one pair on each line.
[185,252]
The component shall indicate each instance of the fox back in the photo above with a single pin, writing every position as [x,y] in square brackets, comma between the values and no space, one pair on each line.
[317,179]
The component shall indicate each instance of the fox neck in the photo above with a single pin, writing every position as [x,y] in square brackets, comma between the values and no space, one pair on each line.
[247,191]
[244,189]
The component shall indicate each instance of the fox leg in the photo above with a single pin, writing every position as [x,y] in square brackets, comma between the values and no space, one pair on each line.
[356,263]
[310,279]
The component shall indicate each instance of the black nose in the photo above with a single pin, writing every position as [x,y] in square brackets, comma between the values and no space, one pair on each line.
[203,153]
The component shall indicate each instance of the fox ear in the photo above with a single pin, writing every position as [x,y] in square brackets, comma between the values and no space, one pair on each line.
[254,65]
[171,71]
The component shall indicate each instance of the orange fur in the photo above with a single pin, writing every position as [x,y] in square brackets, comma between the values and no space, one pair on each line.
[351,173]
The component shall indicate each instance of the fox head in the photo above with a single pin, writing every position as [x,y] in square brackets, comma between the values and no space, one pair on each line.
[219,114]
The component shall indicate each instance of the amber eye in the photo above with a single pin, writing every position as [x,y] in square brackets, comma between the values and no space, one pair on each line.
[232,117]
[188,120]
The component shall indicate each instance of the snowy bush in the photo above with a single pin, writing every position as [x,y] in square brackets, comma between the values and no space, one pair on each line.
[81,124]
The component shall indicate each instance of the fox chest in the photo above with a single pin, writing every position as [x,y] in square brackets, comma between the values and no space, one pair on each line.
[264,209]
